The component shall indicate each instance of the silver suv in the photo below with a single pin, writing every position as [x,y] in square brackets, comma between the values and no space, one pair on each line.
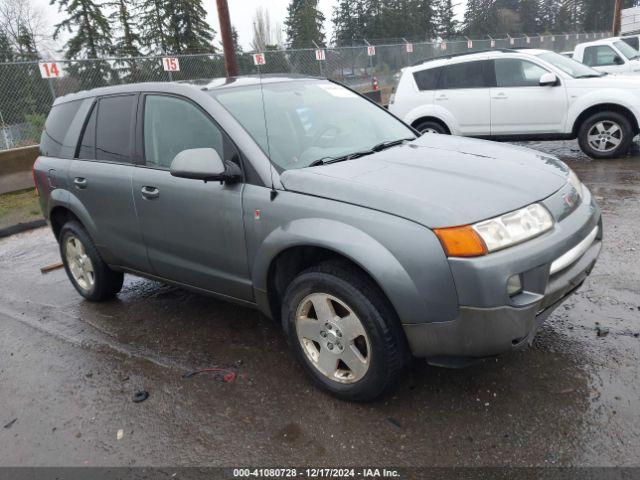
[302,199]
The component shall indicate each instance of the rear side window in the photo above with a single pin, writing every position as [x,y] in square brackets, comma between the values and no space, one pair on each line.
[427,79]
[114,128]
[56,138]
[464,75]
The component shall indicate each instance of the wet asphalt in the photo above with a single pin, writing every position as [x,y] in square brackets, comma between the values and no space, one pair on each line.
[69,370]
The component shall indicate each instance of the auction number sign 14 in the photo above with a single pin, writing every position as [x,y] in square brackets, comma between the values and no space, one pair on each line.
[50,70]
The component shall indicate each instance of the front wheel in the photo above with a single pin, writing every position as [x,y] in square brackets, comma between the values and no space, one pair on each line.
[343,332]
[605,135]
[431,127]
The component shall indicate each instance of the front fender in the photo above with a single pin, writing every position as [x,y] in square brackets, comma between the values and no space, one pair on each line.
[434,111]
[612,96]
[418,286]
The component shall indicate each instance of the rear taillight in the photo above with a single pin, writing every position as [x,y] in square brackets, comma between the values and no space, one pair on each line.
[33,173]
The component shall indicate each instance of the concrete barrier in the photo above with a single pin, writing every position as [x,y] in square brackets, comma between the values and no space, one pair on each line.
[15,168]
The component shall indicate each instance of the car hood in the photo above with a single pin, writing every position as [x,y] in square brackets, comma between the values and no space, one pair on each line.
[437,180]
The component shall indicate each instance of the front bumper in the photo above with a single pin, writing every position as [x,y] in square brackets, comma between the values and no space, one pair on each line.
[489,321]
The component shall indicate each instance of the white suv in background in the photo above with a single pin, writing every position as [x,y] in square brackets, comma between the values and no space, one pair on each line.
[611,55]
[521,95]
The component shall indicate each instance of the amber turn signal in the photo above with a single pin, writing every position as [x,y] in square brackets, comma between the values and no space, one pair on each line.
[461,241]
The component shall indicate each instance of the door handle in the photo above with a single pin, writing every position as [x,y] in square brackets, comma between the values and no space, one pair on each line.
[500,96]
[80,182]
[442,97]
[150,192]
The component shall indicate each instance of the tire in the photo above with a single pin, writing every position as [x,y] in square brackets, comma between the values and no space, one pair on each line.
[88,273]
[429,126]
[374,359]
[614,127]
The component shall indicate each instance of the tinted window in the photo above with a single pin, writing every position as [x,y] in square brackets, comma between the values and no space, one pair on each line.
[88,140]
[511,72]
[427,79]
[464,75]
[172,125]
[55,140]
[632,42]
[600,55]
[113,133]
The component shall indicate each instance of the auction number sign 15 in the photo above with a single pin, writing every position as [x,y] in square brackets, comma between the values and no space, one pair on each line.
[171,64]
[50,70]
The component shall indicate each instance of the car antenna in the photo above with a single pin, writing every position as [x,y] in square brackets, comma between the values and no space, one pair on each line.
[274,192]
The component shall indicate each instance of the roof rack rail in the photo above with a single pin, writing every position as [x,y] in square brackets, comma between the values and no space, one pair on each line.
[454,55]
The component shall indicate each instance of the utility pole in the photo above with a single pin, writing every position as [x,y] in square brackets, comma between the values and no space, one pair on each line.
[230,60]
[617,13]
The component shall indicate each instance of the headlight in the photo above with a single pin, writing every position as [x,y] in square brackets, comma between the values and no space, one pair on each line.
[497,233]
[575,182]
[514,227]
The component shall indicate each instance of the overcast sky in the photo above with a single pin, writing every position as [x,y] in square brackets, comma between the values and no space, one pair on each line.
[242,12]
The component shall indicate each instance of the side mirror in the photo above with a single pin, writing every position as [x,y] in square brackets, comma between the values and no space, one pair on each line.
[618,60]
[548,80]
[203,164]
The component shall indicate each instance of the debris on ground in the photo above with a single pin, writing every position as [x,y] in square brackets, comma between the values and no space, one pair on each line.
[120,434]
[602,331]
[221,374]
[10,424]
[51,268]
[394,422]
[140,396]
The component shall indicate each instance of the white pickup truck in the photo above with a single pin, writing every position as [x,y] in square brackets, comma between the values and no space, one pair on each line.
[610,55]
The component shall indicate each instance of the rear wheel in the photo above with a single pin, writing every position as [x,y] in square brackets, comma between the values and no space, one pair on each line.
[605,135]
[90,276]
[429,126]
[343,332]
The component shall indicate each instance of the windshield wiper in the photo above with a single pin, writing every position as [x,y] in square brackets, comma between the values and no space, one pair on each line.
[384,145]
[376,148]
[591,75]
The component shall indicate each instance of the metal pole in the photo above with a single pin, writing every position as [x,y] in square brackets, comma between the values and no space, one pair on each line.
[617,14]
[370,59]
[319,61]
[51,89]
[230,60]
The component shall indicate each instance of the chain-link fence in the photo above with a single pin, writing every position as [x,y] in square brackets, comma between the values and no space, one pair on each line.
[26,97]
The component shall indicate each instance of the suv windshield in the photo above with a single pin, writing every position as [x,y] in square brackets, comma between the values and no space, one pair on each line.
[627,50]
[307,122]
[569,65]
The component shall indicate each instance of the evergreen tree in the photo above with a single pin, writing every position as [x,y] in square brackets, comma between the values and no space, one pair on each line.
[89,28]
[153,26]
[128,41]
[26,44]
[529,11]
[304,24]
[347,22]
[188,29]
[548,14]
[480,18]
[447,25]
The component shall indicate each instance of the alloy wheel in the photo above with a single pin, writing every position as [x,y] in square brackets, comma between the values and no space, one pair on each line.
[333,338]
[605,136]
[79,263]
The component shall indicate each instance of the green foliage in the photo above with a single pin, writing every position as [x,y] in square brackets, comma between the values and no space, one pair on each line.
[356,20]
[304,24]
[89,28]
